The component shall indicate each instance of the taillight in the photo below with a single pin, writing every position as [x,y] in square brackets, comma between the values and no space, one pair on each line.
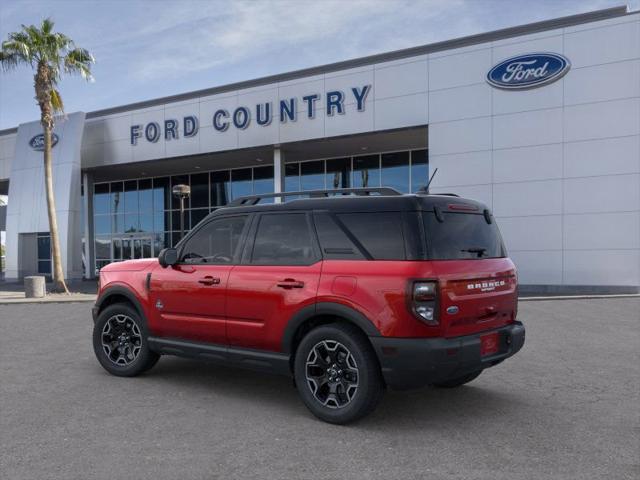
[423,301]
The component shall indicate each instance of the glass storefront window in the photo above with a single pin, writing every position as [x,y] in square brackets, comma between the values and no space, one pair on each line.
[292,177]
[131,223]
[200,190]
[395,171]
[241,180]
[102,224]
[140,217]
[146,222]
[175,220]
[263,180]
[103,248]
[161,194]
[101,198]
[366,171]
[145,195]
[131,203]
[179,180]
[312,175]
[161,221]
[419,169]
[338,173]
[220,188]
[117,192]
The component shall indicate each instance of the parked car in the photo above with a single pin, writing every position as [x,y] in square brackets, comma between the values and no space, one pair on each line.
[348,291]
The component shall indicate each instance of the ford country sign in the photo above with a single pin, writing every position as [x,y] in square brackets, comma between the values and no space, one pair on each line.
[528,71]
[37,142]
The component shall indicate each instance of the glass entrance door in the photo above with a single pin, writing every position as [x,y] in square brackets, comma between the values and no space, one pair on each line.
[132,247]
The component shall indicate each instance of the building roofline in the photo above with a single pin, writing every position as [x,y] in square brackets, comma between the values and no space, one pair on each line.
[494,35]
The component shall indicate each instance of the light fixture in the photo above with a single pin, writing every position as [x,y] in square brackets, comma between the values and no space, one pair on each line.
[259,160]
[364,148]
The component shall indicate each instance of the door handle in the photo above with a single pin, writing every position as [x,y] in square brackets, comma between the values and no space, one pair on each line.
[288,283]
[209,280]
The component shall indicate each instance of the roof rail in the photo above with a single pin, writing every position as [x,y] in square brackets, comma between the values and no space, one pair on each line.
[254,199]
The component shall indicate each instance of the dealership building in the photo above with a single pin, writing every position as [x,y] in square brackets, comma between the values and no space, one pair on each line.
[541,122]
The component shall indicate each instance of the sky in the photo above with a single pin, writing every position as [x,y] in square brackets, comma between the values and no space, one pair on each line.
[150,49]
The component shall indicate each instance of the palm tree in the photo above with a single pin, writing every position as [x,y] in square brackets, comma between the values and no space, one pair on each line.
[50,55]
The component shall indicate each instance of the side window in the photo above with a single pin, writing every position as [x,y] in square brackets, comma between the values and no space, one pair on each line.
[215,243]
[283,239]
[334,242]
[380,233]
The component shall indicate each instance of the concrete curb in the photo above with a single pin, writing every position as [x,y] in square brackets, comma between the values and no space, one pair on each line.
[70,299]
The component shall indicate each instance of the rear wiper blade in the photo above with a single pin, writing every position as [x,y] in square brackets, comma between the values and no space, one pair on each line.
[478,250]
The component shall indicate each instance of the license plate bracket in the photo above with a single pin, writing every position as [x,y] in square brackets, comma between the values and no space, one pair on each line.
[489,344]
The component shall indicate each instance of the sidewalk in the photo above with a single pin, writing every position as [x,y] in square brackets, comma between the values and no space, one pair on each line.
[81,291]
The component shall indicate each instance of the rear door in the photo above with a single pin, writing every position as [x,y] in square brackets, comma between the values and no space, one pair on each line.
[478,287]
[189,298]
[278,275]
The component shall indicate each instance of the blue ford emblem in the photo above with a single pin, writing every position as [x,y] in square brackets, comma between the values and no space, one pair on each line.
[528,71]
[37,142]
[452,310]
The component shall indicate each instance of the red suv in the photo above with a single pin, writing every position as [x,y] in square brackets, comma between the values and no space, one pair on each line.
[348,291]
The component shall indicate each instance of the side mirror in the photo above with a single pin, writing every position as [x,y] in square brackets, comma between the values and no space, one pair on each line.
[168,257]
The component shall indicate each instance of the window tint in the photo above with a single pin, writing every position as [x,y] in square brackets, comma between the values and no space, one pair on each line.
[379,233]
[334,242]
[216,242]
[283,239]
[462,236]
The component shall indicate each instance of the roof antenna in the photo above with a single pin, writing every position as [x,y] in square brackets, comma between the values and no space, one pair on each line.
[425,189]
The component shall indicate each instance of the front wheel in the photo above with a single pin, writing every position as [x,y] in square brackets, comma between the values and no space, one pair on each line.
[120,341]
[337,374]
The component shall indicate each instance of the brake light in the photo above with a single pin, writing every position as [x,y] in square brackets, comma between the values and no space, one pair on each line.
[423,301]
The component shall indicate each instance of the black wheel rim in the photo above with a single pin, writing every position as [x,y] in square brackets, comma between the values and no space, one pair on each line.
[121,340]
[332,374]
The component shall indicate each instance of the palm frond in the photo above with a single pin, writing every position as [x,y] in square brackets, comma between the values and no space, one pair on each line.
[79,61]
[56,101]
[9,61]
[47,26]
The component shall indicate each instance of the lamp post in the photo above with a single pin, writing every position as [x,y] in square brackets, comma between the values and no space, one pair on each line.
[182,192]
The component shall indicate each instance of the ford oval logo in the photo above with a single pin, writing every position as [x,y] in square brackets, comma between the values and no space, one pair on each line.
[528,71]
[452,310]
[37,142]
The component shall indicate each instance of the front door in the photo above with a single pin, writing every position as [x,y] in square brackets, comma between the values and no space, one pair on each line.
[188,299]
[278,276]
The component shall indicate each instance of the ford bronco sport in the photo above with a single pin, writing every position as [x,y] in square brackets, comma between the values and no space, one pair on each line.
[348,291]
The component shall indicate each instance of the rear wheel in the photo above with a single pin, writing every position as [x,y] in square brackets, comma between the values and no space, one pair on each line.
[459,381]
[120,341]
[337,374]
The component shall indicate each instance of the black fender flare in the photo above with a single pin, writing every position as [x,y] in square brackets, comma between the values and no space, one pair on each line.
[117,290]
[325,308]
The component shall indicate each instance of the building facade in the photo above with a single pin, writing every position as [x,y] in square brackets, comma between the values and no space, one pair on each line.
[541,122]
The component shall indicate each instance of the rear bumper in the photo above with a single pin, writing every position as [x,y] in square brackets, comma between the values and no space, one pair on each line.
[414,362]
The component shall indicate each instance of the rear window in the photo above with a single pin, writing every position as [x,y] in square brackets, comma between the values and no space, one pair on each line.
[379,233]
[462,236]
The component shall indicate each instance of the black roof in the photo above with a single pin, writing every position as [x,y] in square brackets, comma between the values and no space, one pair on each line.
[353,203]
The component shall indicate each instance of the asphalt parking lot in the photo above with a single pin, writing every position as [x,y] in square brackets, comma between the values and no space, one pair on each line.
[568,406]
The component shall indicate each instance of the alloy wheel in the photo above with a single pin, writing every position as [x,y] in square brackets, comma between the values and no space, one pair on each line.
[332,374]
[121,339]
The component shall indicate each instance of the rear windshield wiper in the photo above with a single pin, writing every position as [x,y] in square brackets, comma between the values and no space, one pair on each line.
[477,250]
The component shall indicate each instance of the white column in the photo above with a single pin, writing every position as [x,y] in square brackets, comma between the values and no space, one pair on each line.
[89,266]
[278,172]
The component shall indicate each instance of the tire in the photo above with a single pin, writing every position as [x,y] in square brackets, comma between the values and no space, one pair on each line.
[458,381]
[347,387]
[120,341]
